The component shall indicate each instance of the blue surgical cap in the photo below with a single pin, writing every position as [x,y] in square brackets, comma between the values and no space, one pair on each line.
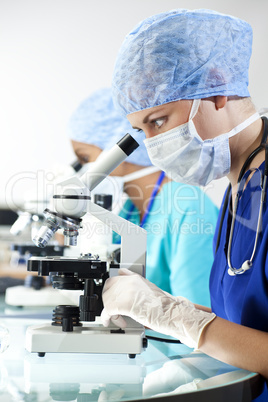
[97,122]
[182,54]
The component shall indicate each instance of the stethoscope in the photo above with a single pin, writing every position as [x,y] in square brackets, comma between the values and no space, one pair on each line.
[232,271]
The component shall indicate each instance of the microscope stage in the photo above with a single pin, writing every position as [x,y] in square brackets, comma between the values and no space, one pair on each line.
[92,337]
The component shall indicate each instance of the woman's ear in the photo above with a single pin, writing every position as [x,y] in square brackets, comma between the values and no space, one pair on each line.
[220,101]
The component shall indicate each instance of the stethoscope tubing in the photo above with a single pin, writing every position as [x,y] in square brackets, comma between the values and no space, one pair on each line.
[248,263]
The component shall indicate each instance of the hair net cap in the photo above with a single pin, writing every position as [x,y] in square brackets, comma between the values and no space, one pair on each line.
[182,54]
[97,122]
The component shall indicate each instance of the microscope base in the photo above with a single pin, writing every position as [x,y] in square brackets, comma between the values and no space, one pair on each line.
[92,337]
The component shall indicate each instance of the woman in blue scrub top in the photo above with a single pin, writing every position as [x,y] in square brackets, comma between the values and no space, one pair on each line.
[180,219]
[182,78]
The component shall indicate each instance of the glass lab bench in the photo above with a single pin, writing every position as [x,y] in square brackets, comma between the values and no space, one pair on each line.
[163,372]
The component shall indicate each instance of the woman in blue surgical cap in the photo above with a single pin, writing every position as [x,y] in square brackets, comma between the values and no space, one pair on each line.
[182,78]
[180,219]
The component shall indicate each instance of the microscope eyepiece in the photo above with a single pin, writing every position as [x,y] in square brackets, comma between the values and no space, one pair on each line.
[108,161]
[128,144]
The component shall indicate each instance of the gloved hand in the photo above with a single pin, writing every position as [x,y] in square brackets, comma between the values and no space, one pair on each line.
[169,377]
[134,296]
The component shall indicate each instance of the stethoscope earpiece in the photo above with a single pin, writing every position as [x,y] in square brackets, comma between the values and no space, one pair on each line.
[230,272]
[246,265]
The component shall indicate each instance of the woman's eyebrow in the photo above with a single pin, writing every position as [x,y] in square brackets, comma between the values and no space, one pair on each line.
[155,112]
[149,116]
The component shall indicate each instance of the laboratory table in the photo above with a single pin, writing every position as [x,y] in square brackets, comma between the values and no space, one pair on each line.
[163,372]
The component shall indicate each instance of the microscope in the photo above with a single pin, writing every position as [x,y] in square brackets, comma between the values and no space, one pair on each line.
[30,219]
[34,290]
[78,329]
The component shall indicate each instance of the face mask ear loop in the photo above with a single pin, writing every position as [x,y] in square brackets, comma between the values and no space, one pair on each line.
[140,173]
[194,108]
[244,124]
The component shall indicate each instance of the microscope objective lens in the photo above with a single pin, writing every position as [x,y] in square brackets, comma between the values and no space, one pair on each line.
[43,237]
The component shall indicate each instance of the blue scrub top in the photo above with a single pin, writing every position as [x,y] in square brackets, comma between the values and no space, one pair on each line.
[243,299]
[180,229]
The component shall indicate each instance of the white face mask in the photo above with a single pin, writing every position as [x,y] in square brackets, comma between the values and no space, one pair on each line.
[117,182]
[186,158]
[114,185]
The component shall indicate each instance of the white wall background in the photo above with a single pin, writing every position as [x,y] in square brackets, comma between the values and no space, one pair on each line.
[54,53]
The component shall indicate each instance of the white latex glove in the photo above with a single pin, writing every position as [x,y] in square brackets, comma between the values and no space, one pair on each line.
[169,377]
[191,386]
[134,296]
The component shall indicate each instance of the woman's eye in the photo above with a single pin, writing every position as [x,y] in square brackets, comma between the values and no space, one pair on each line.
[159,122]
[83,159]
